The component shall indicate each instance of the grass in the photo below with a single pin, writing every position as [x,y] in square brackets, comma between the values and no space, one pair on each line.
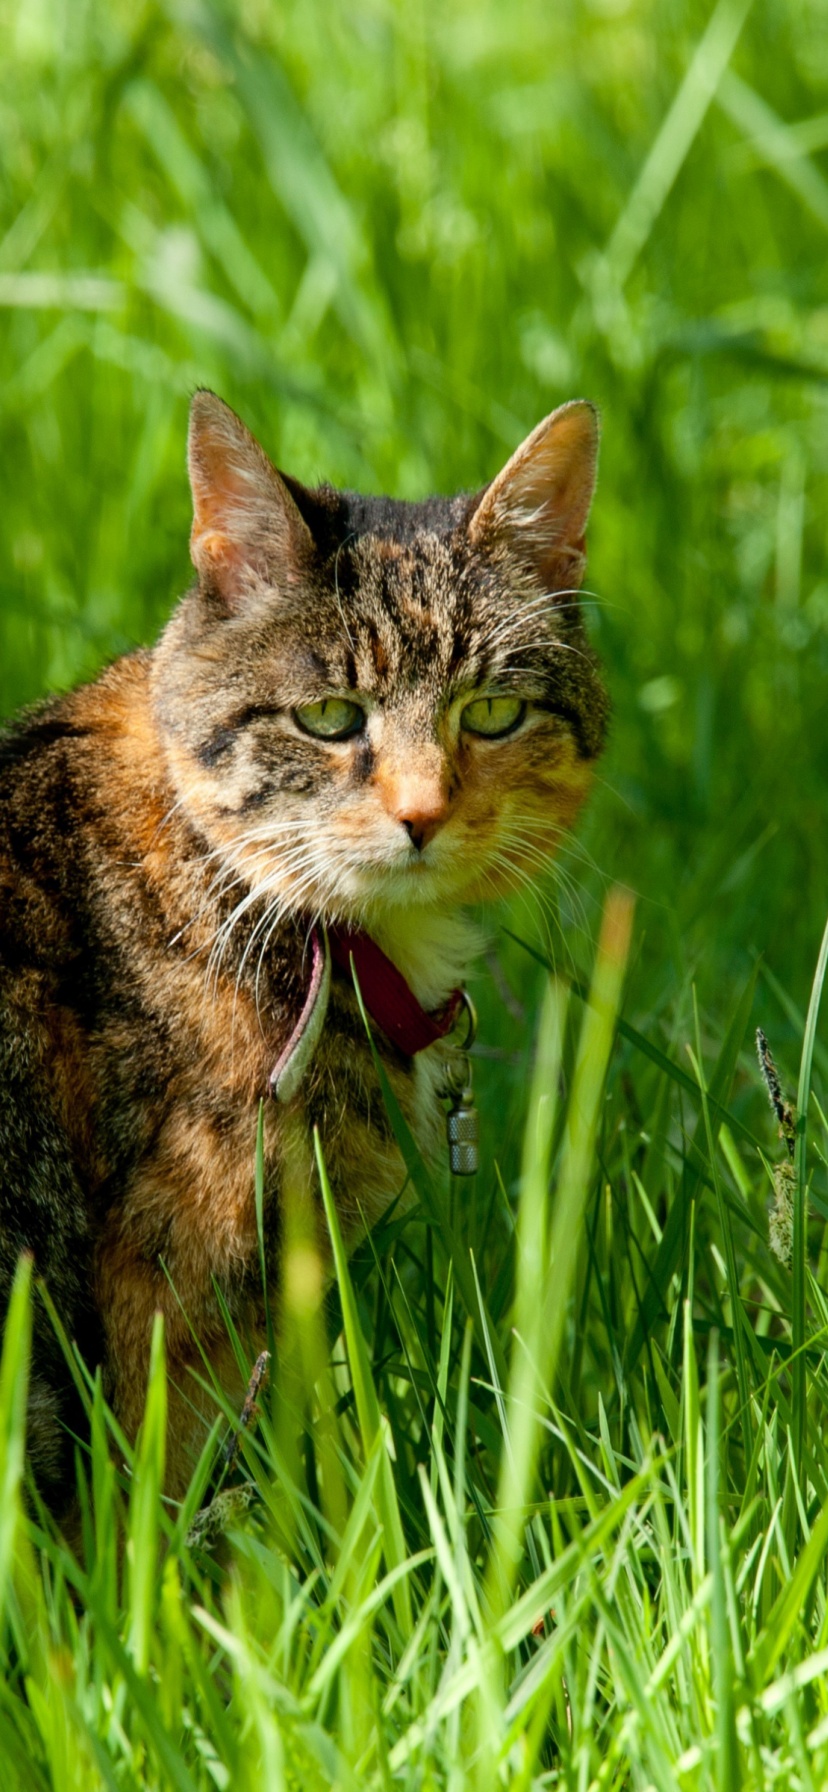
[603,1569]
[541,1486]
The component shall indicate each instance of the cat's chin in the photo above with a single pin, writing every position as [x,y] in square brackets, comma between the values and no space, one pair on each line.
[419,886]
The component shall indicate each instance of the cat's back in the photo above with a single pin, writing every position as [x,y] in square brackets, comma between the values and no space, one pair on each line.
[66,797]
[81,937]
[111,1034]
[89,865]
[74,771]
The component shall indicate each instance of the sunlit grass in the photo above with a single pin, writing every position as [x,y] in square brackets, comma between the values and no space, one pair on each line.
[604,1570]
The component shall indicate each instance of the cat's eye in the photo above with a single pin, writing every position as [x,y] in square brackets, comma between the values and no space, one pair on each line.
[334,718]
[493,716]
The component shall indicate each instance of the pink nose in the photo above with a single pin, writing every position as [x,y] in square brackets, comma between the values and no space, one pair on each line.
[418,800]
[420,804]
[422,825]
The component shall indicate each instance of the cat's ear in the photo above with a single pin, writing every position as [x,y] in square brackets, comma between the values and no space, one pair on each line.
[245,521]
[536,509]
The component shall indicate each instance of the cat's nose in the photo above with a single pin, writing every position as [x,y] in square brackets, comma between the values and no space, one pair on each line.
[422,816]
[420,829]
[419,803]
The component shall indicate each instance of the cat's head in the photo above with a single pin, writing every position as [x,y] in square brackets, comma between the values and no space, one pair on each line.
[368,703]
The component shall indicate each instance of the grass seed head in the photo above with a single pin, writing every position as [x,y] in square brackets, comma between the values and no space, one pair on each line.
[780,1218]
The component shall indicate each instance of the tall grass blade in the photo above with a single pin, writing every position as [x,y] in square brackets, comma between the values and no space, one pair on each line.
[367,1405]
[667,1255]
[302,180]
[781,148]
[675,138]
[145,1507]
[740,1323]
[800,1225]
[464,1278]
[644,1045]
[728,1764]
[14,1384]
[530,1364]
[548,1249]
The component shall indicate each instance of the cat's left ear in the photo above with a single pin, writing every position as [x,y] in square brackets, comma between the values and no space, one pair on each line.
[536,509]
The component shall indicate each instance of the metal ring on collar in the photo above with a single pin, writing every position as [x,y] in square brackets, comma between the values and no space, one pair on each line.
[471,1019]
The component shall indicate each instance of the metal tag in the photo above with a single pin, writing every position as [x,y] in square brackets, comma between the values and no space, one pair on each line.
[462,1119]
[462,1130]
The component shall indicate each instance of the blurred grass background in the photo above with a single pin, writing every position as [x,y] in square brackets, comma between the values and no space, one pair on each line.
[394,236]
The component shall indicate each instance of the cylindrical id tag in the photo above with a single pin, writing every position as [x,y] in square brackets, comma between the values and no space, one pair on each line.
[462,1128]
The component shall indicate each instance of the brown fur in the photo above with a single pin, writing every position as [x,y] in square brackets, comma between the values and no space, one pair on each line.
[169,833]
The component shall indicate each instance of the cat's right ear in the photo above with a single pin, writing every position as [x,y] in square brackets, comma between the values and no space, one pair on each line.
[246,526]
[535,512]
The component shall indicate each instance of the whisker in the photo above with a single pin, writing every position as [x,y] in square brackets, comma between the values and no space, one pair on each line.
[567,843]
[577,598]
[514,836]
[527,883]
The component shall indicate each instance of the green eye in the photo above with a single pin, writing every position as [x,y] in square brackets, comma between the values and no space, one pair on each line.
[493,716]
[335,718]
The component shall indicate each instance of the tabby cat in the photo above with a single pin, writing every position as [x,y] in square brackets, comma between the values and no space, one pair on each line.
[365,715]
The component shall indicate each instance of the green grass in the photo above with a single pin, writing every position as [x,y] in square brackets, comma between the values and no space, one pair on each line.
[542,1489]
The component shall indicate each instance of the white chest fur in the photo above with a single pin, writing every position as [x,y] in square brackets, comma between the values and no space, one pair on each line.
[433,949]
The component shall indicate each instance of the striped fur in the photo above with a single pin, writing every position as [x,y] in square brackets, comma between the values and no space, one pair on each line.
[168,834]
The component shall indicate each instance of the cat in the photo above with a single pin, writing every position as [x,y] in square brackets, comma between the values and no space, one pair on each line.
[366,714]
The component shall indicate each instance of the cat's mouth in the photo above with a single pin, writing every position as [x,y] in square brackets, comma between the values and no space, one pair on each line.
[349,884]
[476,864]
[414,879]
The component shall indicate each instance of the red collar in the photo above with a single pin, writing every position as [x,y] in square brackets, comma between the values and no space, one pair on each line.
[386,995]
[388,998]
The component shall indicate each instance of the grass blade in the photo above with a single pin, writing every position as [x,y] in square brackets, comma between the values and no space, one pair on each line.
[547,1268]
[667,1255]
[675,138]
[14,1383]
[368,1411]
[800,1230]
[485,1328]
[145,1509]
[727,1763]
